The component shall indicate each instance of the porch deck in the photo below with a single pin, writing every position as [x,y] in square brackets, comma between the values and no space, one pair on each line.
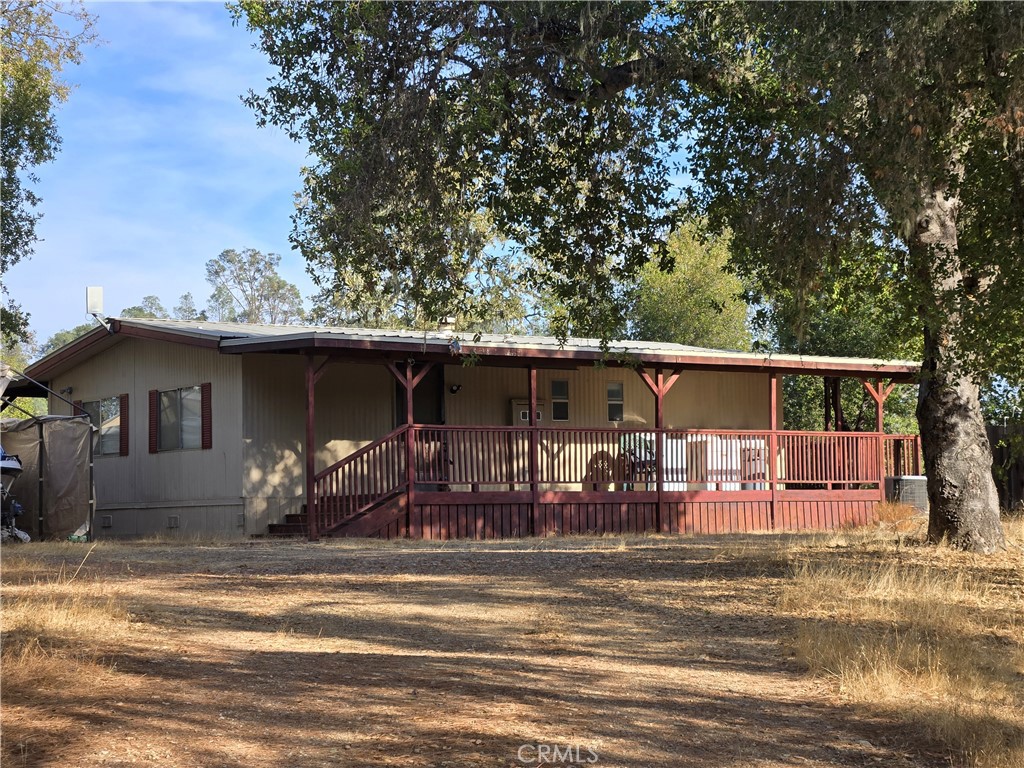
[446,482]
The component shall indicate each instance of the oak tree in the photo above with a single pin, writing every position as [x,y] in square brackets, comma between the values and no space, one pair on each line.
[815,131]
[892,126]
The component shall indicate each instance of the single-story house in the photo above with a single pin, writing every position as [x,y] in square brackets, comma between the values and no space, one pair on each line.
[239,429]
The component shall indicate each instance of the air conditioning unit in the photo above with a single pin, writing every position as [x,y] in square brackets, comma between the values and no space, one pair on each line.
[908,489]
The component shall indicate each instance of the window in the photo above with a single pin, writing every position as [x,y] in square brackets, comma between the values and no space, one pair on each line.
[106,416]
[180,419]
[559,400]
[615,401]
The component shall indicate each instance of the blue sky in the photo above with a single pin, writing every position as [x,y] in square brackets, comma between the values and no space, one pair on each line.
[161,167]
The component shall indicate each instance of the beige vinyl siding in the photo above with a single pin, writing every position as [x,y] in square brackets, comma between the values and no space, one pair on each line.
[719,400]
[698,400]
[487,393]
[140,490]
[273,438]
[354,405]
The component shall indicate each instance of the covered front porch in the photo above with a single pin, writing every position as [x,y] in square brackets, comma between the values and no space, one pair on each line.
[446,481]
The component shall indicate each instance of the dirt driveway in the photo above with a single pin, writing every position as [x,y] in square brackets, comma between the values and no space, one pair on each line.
[643,652]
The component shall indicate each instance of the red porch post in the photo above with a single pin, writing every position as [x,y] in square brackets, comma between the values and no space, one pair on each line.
[659,386]
[537,525]
[772,468]
[409,382]
[827,402]
[311,511]
[313,375]
[879,392]
[415,522]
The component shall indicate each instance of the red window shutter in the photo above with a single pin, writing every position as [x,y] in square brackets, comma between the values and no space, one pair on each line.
[77,409]
[123,406]
[207,414]
[154,420]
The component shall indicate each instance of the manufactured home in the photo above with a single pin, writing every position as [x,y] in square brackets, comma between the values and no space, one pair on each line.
[252,429]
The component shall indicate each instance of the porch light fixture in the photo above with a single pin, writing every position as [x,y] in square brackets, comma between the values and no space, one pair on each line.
[455,389]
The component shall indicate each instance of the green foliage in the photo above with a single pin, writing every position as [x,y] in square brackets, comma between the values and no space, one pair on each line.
[186,309]
[497,299]
[699,302]
[860,315]
[13,322]
[17,354]
[61,338]
[424,118]
[804,406]
[814,130]
[849,122]
[247,289]
[38,41]
[149,308]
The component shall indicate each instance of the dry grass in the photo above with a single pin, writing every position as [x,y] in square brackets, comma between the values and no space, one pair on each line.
[896,517]
[54,628]
[660,651]
[930,636]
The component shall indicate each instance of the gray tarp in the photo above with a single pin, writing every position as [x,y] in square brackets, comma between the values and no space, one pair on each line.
[63,443]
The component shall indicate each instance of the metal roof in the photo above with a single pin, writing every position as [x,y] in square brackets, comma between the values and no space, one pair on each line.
[237,338]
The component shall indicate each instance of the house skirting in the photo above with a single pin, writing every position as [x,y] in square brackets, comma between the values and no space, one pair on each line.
[443,516]
[216,518]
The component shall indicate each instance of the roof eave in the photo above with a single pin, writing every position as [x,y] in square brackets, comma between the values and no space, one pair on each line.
[46,366]
[505,355]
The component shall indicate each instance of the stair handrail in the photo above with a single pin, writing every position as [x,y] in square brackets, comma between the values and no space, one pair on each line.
[361,452]
[331,510]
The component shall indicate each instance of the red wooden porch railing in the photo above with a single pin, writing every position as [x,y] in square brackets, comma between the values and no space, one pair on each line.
[473,457]
[902,454]
[455,459]
[828,458]
[468,458]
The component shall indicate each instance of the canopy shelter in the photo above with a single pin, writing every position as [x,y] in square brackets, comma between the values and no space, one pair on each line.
[56,484]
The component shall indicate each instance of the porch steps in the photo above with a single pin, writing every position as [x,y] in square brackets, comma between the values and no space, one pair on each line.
[369,522]
[293,525]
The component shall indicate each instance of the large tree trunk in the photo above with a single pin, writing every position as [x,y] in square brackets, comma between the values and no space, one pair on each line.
[964,505]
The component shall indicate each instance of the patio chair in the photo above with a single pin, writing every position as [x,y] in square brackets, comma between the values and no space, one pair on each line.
[639,458]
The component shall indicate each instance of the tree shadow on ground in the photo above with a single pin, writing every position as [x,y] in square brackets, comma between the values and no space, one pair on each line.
[657,656]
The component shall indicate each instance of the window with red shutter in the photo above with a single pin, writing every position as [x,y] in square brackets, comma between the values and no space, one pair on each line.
[180,419]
